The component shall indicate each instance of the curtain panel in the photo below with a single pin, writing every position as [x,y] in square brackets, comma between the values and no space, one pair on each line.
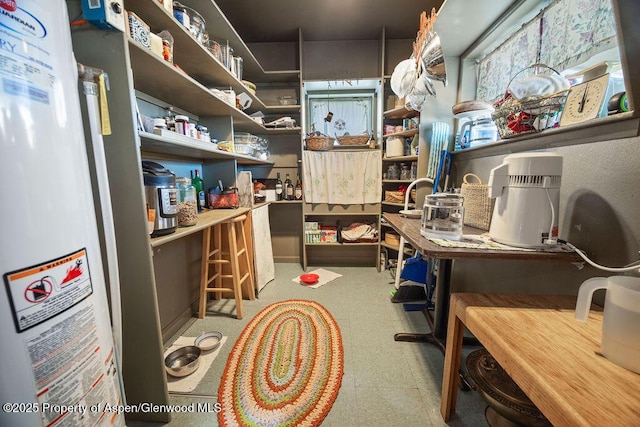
[564,34]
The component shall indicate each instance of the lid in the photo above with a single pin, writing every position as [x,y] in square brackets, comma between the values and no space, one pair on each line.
[159,122]
[182,118]
[183,180]
[155,174]
[443,200]
[498,385]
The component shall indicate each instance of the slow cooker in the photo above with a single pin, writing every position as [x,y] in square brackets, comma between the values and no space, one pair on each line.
[162,195]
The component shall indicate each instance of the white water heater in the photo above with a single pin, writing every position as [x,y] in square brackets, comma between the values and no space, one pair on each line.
[526,187]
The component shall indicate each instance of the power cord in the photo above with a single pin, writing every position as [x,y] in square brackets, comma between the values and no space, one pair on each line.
[634,266]
[546,182]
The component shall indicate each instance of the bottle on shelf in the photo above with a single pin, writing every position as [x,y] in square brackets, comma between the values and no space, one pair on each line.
[298,190]
[288,188]
[279,189]
[198,184]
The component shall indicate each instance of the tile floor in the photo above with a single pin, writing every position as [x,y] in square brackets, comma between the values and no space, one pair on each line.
[386,383]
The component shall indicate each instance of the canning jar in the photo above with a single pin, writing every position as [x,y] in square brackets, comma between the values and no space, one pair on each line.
[393,173]
[187,202]
[405,173]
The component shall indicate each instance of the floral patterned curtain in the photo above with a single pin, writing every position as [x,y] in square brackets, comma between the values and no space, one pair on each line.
[566,33]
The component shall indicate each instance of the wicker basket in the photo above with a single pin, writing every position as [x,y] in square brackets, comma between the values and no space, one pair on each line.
[394,196]
[518,118]
[515,118]
[353,139]
[319,143]
[478,207]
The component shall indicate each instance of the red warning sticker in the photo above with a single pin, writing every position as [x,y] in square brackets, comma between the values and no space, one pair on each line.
[40,292]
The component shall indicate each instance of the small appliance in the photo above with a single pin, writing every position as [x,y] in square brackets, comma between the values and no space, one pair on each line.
[162,195]
[478,131]
[526,187]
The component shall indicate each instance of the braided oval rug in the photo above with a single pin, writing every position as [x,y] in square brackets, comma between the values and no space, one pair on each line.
[285,369]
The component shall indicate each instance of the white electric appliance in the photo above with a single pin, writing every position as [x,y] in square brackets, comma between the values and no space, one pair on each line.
[526,187]
[60,364]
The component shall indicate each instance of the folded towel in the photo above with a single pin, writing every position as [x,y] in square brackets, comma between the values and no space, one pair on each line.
[537,86]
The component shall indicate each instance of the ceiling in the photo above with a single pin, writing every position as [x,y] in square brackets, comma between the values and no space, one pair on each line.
[279,20]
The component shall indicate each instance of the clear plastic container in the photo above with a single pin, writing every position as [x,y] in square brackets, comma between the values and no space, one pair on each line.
[187,203]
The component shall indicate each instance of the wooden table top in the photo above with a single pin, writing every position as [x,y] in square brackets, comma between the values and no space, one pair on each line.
[409,228]
[205,219]
[554,358]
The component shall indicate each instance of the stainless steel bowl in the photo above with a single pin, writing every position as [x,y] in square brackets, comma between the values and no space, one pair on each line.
[183,361]
[208,341]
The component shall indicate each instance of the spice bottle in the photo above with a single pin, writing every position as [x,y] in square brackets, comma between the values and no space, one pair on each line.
[182,124]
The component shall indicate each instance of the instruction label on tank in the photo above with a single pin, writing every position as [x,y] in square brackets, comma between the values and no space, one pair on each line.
[38,293]
[26,68]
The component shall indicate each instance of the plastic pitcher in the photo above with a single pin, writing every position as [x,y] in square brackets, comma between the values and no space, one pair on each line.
[621,318]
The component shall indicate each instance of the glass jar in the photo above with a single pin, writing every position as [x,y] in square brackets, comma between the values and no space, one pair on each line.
[181,14]
[442,216]
[414,170]
[405,173]
[393,173]
[187,203]
[182,125]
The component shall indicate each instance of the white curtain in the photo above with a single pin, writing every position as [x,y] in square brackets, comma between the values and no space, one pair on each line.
[350,115]
[342,178]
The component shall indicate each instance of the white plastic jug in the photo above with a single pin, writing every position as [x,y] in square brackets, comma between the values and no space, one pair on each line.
[621,318]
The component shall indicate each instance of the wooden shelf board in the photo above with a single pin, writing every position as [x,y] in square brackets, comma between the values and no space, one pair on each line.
[190,55]
[400,159]
[407,248]
[397,204]
[405,133]
[280,109]
[400,113]
[183,146]
[156,77]
[218,25]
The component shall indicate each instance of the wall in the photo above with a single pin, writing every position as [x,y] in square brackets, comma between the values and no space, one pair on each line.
[599,213]
[341,60]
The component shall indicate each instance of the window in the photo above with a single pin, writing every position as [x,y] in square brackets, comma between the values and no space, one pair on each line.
[338,115]
[567,35]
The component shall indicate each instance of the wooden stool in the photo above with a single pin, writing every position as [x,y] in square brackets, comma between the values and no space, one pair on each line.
[235,253]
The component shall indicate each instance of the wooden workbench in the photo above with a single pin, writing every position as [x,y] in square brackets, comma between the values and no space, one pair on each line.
[554,358]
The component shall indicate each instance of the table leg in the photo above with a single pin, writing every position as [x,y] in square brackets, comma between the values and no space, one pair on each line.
[443,293]
[452,359]
[437,325]
[429,338]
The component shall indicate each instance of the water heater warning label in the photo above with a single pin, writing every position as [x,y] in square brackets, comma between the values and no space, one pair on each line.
[40,292]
